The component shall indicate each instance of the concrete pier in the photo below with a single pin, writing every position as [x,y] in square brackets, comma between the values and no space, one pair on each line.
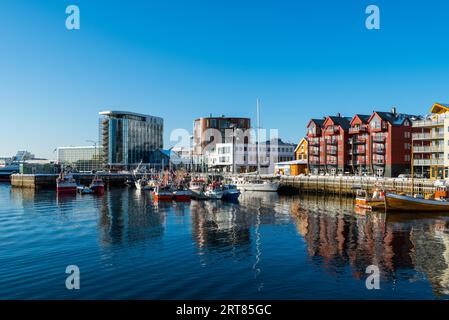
[48,181]
[347,185]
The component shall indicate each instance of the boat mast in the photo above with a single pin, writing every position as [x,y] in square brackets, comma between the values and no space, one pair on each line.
[258,135]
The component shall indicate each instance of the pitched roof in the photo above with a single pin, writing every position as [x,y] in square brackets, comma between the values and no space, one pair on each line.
[394,119]
[318,122]
[363,117]
[440,108]
[343,122]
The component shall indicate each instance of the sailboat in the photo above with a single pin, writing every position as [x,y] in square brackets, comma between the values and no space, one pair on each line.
[248,183]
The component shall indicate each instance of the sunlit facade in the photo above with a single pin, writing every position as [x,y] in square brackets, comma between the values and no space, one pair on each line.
[128,138]
[83,158]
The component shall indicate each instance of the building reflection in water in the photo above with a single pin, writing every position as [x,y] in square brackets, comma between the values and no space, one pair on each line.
[337,236]
[129,217]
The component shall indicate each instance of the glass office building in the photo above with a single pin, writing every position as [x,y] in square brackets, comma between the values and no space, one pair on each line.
[83,159]
[128,138]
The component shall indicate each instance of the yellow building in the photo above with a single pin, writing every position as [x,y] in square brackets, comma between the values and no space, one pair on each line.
[301,150]
[297,166]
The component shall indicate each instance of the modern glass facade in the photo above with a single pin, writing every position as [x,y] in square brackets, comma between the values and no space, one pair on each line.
[129,138]
[85,158]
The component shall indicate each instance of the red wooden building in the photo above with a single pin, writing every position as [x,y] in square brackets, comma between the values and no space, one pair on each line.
[378,144]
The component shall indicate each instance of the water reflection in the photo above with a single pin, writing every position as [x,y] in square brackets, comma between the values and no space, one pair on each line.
[247,248]
[129,217]
[336,237]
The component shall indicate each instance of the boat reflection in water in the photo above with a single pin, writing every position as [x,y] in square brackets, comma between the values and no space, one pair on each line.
[396,243]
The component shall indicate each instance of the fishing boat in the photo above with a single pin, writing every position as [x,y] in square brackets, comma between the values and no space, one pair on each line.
[97,185]
[163,193]
[374,202]
[230,192]
[214,191]
[182,194]
[197,188]
[66,184]
[417,203]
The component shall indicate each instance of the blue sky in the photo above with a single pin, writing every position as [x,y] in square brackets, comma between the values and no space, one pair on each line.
[184,59]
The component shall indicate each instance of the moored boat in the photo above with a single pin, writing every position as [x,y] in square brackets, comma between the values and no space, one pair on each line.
[163,193]
[230,192]
[374,202]
[66,184]
[214,191]
[256,184]
[97,185]
[197,188]
[182,195]
[417,203]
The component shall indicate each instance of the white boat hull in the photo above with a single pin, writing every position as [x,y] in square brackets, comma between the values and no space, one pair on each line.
[263,187]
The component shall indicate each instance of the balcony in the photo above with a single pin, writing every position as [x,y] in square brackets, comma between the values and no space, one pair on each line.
[332,141]
[332,130]
[379,139]
[316,132]
[314,143]
[428,162]
[379,150]
[427,149]
[428,123]
[359,129]
[332,151]
[357,141]
[427,136]
[359,151]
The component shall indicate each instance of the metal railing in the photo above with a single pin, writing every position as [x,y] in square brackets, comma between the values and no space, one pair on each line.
[427,136]
[428,162]
[418,149]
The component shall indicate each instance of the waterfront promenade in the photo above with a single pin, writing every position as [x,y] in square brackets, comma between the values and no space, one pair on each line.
[347,185]
[344,185]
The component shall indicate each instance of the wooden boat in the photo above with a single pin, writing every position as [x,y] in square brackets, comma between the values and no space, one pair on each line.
[396,202]
[374,202]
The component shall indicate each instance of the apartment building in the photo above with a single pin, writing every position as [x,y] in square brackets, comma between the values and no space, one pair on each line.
[431,143]
[378,144]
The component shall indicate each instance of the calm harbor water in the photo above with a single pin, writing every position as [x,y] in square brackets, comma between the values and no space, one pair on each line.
[264,247]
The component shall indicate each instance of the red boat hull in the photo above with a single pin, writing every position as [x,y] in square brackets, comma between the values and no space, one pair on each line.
[182,198]
[98,189]
[66,190]
[159,197]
